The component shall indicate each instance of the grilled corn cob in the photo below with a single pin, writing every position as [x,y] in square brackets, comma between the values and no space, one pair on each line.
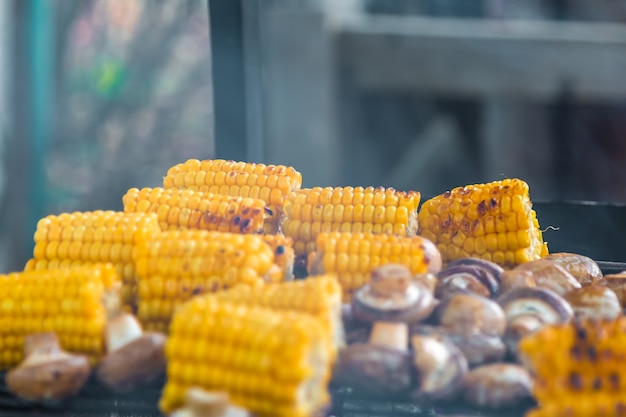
[493,221]
[74,303]
[176,265]
[273,363]
[179,209]
[270,183]
[353,256]
[71,239]
[311,211]
[582,372]
[319,296]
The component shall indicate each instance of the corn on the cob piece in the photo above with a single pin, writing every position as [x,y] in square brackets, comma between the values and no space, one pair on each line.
[179,209]
[353,256]
[270,183]
[582,372]
[74,303]
[284,256]
[493,221]
[174,266]
[93,237]
[273,363]
[312,211]
[319,296]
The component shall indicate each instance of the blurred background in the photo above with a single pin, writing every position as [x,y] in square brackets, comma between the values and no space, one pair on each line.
[98,96]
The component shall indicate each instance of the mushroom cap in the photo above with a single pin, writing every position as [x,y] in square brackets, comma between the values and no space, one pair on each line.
[498,385]
[374,370]
[594,302]
[489,267]
[133,364]
[583,268]
[548,274]
[519,327]
[466,277]
[414,305]
[432,256]
[468,313]
[551,307]
[43,378]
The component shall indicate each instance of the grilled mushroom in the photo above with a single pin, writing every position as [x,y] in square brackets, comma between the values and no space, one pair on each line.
[498,385]
[441,367]
[550,275]
[528,309]
[201,403]
[517,279]
[594,302]
[47,372]
[133,358]
[392,295]
[476,275]
[616,282]
[583,268]
[468,313]
[381,367]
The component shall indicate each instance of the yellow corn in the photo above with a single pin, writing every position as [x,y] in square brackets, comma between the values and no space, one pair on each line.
[319,296]
[270,183]
[582,372]
[493,221]
[177,265]
[353,256]
[312,211]
[179,209]
[283,254]
[74,303]
[71,239]
[273,363]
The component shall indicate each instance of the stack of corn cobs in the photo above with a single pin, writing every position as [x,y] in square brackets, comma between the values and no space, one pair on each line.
[455,300]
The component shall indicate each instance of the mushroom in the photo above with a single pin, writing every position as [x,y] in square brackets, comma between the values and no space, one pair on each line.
[201,403]
[428,280]
[469,313]
[497,385]
[355,331]
[616,282]
[517,279]
[381,367]
[583,268]
[476,275]
[477,348]
[528,309]
[47,373]
[441,367]
[132,358]
[392,295]
[594,302]
[432,256]
[550,275]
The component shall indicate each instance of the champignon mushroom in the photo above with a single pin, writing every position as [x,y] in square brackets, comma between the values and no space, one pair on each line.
[616,282]
[550,275]
[583,268]
[476,275]
[528,309]
[440,365]
[516,278]
[392,295]
[47,373]
[469,313]
[381,367]
[201,403]
[133,358]
[594,302]
[428,280]
[477,348]
[497,385]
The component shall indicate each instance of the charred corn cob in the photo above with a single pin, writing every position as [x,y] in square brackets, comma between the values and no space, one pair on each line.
[176,265]
[273,363]
[80,238]
[283,254]
[319,296]
[582,373]
[179,209]
[493,221]
[74,303]
[312,211]
[353,256]
[270,183]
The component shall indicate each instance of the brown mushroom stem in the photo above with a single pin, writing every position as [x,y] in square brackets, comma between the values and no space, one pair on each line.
[391,335]
[47,373]
[133,357]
